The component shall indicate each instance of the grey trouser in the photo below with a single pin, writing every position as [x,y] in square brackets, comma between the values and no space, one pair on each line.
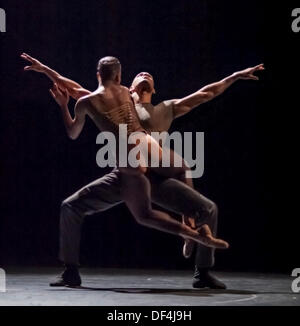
[105,192]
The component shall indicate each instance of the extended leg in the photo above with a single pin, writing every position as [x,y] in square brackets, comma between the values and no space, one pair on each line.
[136,192]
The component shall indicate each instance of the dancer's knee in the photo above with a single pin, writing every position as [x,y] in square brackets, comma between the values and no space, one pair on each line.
[212,209]
[64,206]
[64,210]
[212,216]
[206,214]
[141,219]
[67,210]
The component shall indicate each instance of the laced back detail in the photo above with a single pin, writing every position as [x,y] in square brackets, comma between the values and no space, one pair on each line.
[122,115]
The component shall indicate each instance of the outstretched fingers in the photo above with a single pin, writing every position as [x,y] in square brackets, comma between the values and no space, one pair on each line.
[26,57]
[259,67]
[64,91]
[29,59]
[54,91]
[253,70]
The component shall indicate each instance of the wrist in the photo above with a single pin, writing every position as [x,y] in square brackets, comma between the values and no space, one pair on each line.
[235,76]
[64,106]
[45,69]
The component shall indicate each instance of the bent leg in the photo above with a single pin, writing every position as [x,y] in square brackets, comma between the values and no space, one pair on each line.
[177,197]
[136,192]
[97,196]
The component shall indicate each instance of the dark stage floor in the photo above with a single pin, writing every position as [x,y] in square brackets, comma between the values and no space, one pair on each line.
[115,287]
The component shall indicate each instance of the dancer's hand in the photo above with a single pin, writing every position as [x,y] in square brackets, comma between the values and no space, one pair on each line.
[35,64]
[61,96]
[249,72]
[189,221]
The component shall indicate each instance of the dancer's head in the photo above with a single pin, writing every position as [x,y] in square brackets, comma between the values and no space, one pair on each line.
[109,69]
[143,82]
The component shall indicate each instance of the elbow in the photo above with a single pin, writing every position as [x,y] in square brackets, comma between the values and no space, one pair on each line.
[72,135]
[209,96]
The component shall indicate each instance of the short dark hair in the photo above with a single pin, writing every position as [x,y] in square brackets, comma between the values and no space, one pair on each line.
[108,68]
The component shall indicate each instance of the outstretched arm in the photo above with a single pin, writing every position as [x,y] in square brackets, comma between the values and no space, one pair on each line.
[73,126]
[207,93]
[75,90]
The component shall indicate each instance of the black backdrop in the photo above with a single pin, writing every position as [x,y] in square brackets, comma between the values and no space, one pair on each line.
[185,45]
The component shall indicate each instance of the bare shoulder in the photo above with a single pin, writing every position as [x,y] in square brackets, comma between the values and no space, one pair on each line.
[125,90]
[84,104]
[166,104]
[90,96]
[165,109]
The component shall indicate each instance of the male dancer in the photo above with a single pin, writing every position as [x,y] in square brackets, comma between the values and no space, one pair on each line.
[171,194]
[109,106]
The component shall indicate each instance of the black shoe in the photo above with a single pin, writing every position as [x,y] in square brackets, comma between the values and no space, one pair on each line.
[70,277]
[206,280]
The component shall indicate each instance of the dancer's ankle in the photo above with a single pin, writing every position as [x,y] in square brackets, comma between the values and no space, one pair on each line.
[203,271]
[189,233]
[71,266]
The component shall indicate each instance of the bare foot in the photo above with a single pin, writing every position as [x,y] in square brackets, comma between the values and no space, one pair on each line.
[206,238]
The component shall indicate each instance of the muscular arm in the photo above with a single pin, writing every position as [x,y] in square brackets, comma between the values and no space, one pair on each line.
[74,125]
[207,93]
[74,89]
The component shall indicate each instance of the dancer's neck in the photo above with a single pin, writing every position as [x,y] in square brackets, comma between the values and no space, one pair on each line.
[142,98]
[108,83]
